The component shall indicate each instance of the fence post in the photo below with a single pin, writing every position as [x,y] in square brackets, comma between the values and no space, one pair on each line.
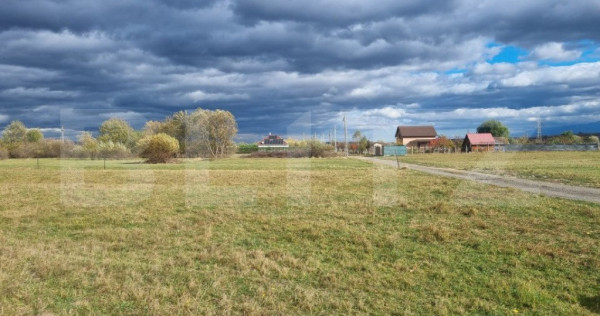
[397,161]
[104,163]
[38,163]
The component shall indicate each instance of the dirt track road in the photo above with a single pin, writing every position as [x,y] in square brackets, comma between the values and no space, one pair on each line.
[538,187]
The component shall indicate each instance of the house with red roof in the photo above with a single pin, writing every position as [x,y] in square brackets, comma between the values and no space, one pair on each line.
[272,142]
[478,142]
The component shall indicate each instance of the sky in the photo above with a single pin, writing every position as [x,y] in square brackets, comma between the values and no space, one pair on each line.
[297,67]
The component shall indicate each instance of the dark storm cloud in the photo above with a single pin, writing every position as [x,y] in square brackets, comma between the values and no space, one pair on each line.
[335,13]
[271,62]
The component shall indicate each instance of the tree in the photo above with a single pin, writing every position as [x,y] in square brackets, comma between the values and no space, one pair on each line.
[203,132]
[568,137]
[14,132]
[152,128]
[317,149]
[496,128]
[159,148]
[441,142]
[89,144]
[356,137]
[176,126]
[118,131]
[363,144]
[110,149]
[34,135]
[222,128]
[593,139]
[197,138]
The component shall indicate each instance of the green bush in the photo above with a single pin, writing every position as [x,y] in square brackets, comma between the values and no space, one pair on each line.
[246,148]
[318,149]
[79,152]
[25,150]
[54,148]
[159,148]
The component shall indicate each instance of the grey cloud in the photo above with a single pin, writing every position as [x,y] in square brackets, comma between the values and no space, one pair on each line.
[334,13]
[272,62]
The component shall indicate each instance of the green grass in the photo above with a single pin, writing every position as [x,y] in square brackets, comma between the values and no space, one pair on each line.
[286,236]
[576,168]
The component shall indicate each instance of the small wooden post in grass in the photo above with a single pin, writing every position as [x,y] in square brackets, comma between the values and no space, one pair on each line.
[38,163]
[104,163]
[397,161]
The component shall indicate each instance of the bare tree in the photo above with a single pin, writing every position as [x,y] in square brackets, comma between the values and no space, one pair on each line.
[210,133]
[222,128]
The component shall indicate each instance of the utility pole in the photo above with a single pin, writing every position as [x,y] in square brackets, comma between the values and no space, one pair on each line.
[334,138]
[345,137]
[62,133]
[539,130]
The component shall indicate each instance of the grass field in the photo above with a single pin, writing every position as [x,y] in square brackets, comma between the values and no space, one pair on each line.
[286,236]
[576,168]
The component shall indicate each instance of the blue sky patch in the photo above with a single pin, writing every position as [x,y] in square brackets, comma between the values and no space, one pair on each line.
[455,71]
[508,54]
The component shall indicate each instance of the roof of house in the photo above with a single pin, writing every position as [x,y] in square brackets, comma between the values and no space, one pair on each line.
[481,139]
[273,140]
[416,131]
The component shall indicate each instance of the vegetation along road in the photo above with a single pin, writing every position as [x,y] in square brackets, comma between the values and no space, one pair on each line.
[539,187]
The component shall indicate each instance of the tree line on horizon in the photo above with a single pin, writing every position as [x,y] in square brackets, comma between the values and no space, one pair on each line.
[201,133]
[498,129]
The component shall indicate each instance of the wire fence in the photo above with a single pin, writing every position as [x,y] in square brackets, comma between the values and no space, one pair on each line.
[548,147]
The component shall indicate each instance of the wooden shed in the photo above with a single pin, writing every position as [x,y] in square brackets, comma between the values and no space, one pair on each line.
[378,149]
[478,142]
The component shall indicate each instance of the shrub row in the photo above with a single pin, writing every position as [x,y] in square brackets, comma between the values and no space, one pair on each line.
[315,149]
[52,148]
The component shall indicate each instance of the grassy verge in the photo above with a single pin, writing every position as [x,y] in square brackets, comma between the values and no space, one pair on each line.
[576,168]
[286,236]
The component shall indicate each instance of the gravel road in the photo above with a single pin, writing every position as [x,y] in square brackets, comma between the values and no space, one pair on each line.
[538,187]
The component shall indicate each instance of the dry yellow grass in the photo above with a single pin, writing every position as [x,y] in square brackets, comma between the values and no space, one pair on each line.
[576,168]
[286,236]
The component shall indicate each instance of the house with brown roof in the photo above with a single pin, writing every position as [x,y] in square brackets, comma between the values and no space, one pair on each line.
[415,136]
[478,142]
